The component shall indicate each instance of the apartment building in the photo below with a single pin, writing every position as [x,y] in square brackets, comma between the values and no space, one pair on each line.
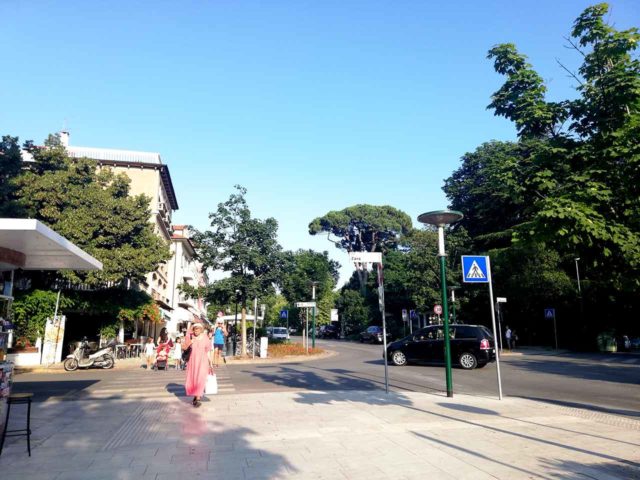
[184,269]
[149,176]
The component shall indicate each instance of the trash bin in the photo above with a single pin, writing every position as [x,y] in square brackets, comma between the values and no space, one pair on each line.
[264,346]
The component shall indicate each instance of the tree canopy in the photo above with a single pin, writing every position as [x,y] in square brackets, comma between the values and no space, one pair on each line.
[363,228]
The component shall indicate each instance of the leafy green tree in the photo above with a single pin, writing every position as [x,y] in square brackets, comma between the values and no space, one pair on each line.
[304,267]
[92,209]
[244,247]
[353,310]
[570,186]
[10,166]
[363,228]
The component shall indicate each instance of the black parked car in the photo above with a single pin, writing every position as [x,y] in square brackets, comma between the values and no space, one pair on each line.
[329,331]
[372,335]
[471,346]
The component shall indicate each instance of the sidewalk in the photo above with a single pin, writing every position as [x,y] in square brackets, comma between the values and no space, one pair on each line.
[324,435]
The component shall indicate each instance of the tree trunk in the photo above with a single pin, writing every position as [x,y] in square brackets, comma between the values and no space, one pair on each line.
[243,326]
[363,276]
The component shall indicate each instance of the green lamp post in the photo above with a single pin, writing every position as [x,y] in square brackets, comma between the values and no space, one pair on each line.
[440,218]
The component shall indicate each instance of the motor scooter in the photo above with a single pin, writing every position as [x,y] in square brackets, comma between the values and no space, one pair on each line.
[103,358]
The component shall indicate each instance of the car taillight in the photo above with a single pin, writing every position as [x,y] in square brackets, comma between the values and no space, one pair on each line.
[484,344]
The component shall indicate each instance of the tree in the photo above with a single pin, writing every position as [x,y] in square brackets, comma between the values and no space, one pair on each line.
[570,186]
[363,228]
[246,248]
[92,209]
[10,166]
[353,310]
[304,267]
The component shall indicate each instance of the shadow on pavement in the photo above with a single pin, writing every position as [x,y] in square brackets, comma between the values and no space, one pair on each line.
[130,439]
[42,391]
[572,470]
[305,380]
[574,369]
[468,408]
[584,406]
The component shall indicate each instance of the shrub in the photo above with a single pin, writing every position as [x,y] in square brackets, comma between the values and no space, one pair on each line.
[279,350]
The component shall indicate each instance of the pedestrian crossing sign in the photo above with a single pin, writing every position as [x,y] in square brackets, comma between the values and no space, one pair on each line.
[475,269]
[549,313]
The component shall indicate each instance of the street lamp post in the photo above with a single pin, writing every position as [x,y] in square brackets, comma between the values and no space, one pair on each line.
[440,218]
[313,322]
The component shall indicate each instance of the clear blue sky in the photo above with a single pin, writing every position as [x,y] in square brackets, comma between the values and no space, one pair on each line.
[311,105]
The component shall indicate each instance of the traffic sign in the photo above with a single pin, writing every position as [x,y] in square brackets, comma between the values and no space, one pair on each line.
[284,314]
[501,299]
[405,315]
[305,304]
[365,257]
[437,309]
[549,313]
[474,269]
[413,315]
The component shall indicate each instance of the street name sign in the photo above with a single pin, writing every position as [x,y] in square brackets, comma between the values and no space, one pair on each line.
[501,299]
[305,304]
[474,269]
[365,257]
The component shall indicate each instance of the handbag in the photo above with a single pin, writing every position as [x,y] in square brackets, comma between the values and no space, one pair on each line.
[212,385]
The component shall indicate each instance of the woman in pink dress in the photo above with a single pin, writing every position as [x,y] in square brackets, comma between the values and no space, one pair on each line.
[199,365]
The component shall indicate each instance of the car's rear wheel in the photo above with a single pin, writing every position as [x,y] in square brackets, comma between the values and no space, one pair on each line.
[398,358]
[468,361]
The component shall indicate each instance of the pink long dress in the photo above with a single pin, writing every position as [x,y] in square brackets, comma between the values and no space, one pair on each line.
[198,365]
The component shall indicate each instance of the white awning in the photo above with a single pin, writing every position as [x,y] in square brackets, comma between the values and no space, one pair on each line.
[31,245]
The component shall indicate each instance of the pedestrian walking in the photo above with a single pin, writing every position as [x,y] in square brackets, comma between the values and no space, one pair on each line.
[176,354]
[199,364]
[507,336]
[149,352]
[514,339]
[219,334]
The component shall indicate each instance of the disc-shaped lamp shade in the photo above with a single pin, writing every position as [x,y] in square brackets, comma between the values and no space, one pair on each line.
[441,217]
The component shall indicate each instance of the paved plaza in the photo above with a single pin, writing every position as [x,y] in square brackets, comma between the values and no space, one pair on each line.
[322,435]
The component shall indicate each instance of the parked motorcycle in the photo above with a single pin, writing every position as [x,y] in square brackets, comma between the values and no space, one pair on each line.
[103,358]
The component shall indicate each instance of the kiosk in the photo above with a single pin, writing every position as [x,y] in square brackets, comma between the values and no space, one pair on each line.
[28,244]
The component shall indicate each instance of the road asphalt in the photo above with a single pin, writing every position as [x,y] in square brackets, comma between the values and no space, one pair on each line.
[330,418]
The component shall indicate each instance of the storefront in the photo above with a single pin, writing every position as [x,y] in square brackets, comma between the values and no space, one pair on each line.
[30,245]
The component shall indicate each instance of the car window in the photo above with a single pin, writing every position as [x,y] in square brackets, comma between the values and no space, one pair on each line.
[421,334]
[487,333]
[465,332]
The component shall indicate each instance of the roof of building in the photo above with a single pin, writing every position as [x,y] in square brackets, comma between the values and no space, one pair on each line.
[115,157]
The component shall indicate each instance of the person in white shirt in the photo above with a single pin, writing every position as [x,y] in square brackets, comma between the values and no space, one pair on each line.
[149,352]
[176,354]
[507,335]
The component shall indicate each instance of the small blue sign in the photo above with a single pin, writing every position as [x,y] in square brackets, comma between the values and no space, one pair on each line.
[549,313]
[413,315]
[284,314]
[475,269]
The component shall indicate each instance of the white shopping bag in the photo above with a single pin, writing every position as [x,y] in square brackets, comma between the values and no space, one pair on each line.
[212,385]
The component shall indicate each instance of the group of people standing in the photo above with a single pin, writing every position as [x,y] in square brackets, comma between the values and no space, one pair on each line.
[199,351]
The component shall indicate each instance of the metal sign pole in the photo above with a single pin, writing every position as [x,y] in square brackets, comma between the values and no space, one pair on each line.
[493,321]
[384,327]
[555,330]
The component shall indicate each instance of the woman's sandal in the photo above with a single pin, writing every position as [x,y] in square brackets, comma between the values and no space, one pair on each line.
[197,404]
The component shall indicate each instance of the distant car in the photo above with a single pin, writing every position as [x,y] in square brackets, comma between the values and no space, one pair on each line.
[372,334]
[472,346]
[278,333]
[329,331]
